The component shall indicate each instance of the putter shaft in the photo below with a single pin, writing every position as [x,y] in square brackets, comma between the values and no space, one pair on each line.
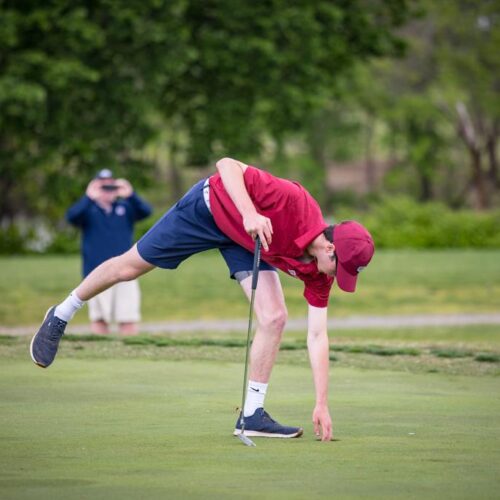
[255,277]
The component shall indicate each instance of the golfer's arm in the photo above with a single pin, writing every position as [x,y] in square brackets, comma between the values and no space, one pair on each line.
[231,172]
[318,347]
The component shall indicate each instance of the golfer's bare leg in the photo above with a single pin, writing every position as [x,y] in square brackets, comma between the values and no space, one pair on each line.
[271,313]
[125,267]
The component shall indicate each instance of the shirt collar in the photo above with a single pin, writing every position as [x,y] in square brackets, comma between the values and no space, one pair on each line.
[302,241]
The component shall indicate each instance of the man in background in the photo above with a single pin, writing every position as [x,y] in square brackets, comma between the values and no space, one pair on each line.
[106,215]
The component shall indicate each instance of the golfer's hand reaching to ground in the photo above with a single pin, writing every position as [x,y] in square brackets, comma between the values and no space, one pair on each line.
[322,423]
[258,225]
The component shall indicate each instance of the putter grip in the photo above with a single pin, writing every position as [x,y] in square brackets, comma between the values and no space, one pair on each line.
[256,263]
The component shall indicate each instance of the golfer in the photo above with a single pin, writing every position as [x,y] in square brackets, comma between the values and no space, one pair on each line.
[228,211]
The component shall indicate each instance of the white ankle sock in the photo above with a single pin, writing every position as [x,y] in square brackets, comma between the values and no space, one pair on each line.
[256,394]
[67,309]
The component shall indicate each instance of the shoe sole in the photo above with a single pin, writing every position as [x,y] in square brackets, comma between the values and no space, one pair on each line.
[33,339]
[297,434]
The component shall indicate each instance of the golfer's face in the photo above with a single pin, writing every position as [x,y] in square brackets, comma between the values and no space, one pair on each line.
[327,263]
[332,268]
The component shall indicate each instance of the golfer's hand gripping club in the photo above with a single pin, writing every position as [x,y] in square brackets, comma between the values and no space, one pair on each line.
[259,226]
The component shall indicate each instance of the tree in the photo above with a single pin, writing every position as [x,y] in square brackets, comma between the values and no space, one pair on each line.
[265,66]
[82,83]
[77,79]
[441,98]
[467,47]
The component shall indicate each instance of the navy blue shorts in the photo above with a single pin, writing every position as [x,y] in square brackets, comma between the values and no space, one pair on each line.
[189,228]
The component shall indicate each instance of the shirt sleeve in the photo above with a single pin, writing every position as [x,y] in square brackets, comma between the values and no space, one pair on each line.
[317,290]
[77,213]
[140,209]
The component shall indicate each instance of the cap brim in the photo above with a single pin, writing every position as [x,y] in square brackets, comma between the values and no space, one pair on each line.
[345,280]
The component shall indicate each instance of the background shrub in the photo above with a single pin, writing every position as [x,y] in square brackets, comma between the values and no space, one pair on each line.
[401,222]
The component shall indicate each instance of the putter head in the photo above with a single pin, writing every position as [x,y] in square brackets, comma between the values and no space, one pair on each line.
[245,440]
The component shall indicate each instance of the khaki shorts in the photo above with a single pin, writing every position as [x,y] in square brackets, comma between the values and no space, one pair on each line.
[120,303]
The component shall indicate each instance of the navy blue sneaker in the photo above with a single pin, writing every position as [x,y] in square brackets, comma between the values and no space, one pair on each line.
[260,424]
[43,348]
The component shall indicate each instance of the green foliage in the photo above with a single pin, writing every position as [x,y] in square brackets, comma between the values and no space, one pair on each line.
[12,240]
[258,66]
[468,34]
[19,238]
[395,222]
[403,112]
[65,241]
[400,222]
[81,84]
[75,89]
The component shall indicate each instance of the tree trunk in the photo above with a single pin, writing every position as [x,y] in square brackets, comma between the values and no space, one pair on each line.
[491,146]
[174,175]
[469,135]
[370,174]
[8,179]
[425,187]
[317,141]
[482,199]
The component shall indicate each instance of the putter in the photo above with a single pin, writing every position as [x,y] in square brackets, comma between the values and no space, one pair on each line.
[255,276]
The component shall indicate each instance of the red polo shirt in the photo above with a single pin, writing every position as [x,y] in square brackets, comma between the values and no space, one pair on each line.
[296,219]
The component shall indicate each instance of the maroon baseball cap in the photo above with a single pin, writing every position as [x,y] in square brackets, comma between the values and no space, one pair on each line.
[354,249]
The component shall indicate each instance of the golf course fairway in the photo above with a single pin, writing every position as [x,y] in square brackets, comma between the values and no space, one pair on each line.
[162,429]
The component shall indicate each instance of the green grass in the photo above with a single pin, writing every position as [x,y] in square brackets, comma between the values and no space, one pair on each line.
[415,409]
[396,282]
[415,412]
[138,428]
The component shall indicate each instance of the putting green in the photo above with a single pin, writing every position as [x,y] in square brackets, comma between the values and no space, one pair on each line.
[162,429]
